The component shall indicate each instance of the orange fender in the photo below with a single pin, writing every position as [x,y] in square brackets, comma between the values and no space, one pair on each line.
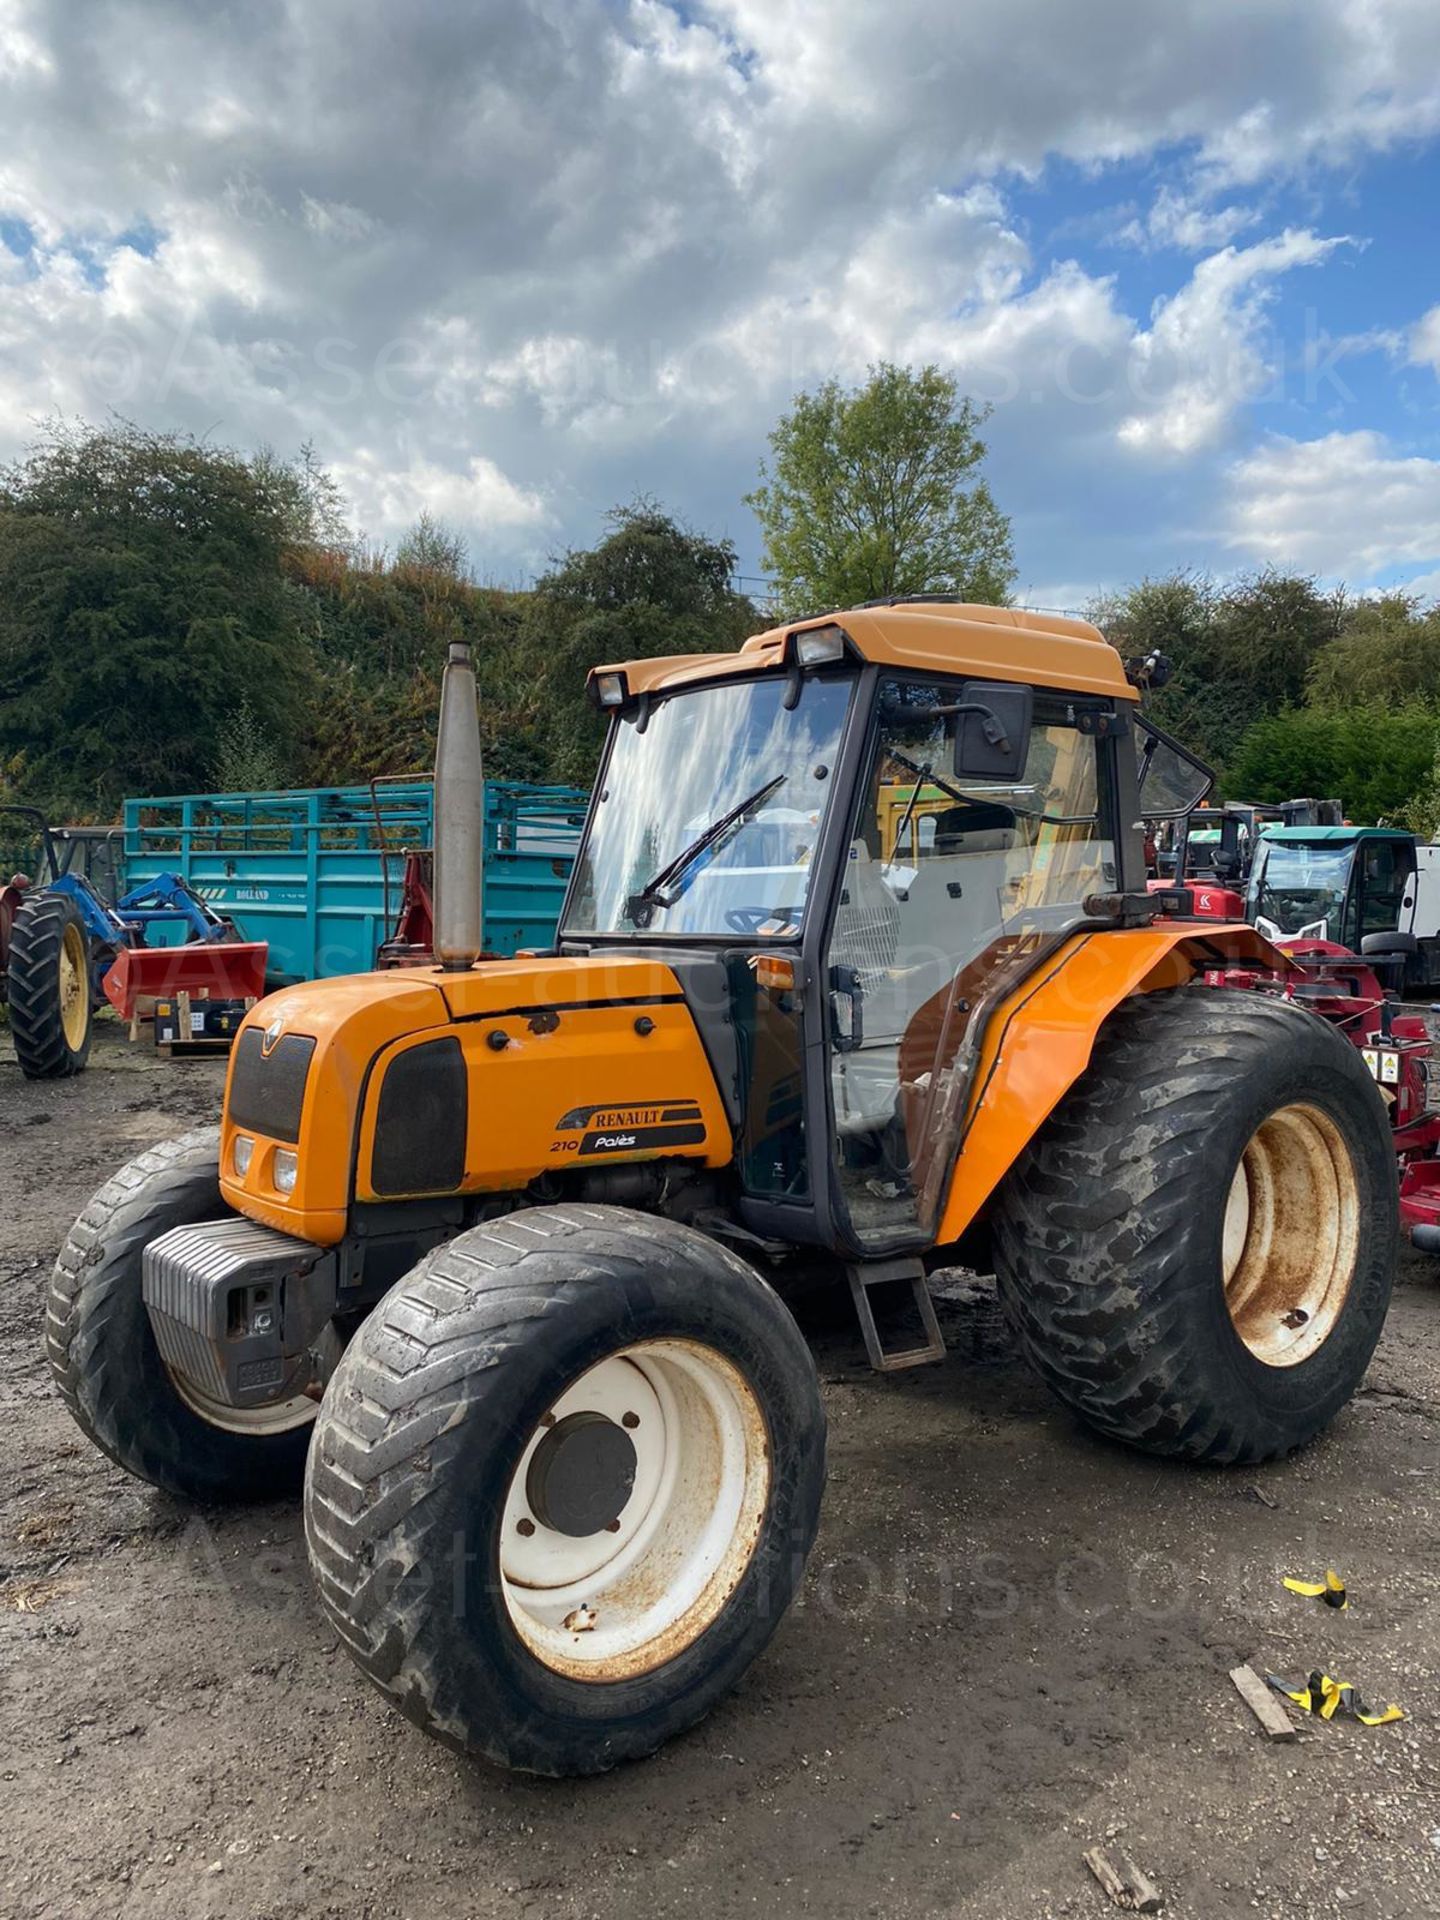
[1039,1040]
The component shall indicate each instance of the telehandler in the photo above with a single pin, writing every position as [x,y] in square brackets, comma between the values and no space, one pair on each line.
[857,968]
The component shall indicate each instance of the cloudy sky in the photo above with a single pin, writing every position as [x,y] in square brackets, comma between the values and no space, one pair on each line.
[516,262]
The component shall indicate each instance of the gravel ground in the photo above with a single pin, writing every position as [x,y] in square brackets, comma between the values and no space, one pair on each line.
[1013,1643]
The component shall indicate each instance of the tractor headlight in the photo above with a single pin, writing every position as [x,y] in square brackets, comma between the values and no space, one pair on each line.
[818,646]
[609,690]
[286,1170]
[241,1154]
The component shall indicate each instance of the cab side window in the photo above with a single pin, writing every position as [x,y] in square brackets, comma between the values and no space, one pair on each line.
[1386,871]
[943,875]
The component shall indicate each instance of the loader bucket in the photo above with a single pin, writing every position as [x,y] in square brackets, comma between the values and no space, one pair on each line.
[208,969]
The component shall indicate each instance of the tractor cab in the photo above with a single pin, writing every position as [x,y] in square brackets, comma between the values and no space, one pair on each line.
[1339,883]
[1215,846]
[849,862]
[1212,845]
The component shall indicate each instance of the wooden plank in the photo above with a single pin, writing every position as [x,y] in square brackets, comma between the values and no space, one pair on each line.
[1275,1722]
[1126,1885]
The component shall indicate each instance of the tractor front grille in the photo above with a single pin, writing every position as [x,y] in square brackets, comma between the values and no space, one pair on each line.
[267,1090]
[421,1121]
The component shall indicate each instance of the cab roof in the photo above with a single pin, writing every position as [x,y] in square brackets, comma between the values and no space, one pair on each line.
[926,636]
[1301,836]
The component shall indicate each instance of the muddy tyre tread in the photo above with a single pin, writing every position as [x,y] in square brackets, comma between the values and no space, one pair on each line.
[1100,1228]
[32,988]
[100,1349]
[428,1360]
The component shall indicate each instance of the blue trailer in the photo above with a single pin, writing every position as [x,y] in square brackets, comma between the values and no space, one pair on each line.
[318,872]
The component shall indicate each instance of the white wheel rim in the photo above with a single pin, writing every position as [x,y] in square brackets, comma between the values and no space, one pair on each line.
[626,1598]
[1291,1235]
[254,1422]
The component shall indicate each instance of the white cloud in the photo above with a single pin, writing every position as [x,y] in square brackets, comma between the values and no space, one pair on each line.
[334,221]
[1345,505]
[1180,220]
[389,495]
[956,285]
[1202,356]
[532,258]
[20,49]
[1261,86]
[1424,343]
[1362,79]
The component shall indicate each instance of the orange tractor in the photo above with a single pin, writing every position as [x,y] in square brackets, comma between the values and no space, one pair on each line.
[857,969]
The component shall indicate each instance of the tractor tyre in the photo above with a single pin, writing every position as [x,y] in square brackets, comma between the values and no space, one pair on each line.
[48,987]
[108,1368]
[563,1485]
[1197,1249]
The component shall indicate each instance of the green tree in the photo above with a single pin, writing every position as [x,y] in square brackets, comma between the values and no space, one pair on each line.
[1420,814]
[651,586]
[1270,628]
[307,497]
[142,598]
[1237,652]
[378,632]
[1176,616]
[432,547]
[1387,649]
[1375,759]
[877,490]
[247,761]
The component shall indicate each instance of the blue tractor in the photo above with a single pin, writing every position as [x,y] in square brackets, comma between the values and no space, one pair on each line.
[65,950]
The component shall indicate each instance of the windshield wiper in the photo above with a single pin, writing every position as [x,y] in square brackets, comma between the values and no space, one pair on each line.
[675,878]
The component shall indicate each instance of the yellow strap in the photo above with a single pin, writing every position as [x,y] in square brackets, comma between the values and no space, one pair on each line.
[1335,1696]
[1381,1719]
[1331,1589]
[1301,1699]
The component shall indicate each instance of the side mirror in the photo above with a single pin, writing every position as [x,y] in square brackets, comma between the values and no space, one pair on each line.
[992,730]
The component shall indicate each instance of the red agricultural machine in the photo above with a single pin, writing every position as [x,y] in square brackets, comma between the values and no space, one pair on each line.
[1347,990]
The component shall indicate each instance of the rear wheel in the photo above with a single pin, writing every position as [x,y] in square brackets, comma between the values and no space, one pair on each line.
[1198,1249]
[48,986]
[106,1363]
[563,1485]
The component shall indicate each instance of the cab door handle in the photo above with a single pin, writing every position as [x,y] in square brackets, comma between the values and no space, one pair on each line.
[845,985]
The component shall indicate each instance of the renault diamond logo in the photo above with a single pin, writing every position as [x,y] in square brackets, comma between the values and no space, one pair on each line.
[271,1036]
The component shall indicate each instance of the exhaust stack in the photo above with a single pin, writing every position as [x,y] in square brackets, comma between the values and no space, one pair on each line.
[459,816]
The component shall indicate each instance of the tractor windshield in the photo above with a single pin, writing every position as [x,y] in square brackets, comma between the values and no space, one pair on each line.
[1302,887]
[709,812]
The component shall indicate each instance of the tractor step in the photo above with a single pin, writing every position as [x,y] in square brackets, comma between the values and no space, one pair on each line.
[866,1274]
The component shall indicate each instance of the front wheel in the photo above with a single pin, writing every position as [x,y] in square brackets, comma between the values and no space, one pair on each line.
[563,1485]
[105,1360]
[1198,1248]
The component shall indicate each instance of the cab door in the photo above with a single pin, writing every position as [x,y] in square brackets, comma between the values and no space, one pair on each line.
[1385,874]
[949,885]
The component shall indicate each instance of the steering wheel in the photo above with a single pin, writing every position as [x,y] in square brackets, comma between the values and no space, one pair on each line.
[752,919]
